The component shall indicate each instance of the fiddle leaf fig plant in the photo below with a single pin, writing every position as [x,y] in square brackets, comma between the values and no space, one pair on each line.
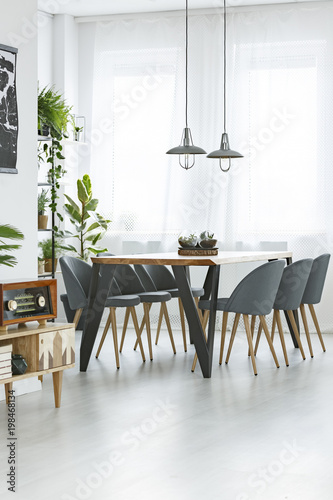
[10,233]
[90,226]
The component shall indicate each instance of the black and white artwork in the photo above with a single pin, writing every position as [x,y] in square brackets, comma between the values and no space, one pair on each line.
[8,110]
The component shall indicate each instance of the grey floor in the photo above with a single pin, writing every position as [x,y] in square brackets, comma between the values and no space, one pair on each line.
[157,431]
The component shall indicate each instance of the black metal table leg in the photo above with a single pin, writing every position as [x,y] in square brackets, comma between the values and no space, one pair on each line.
[102,275]
[291,330]
[204,349]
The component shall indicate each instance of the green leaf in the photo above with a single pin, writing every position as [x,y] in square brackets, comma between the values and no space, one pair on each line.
[93,226]
[8,260]
[73,214]
[82,193]
[7,231]
[9,247]
[87,184]
[72,202]
[92,204]
[96,250]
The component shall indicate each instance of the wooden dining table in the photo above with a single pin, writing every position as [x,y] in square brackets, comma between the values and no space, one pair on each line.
[103,271]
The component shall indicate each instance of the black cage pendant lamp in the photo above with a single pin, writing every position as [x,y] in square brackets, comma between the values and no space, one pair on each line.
[186,150]
[225,154]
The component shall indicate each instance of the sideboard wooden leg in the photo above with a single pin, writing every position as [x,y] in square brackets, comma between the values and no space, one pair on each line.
[8,387]
[57,386]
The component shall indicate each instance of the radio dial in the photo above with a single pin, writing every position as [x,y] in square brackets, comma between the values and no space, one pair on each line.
[12,305]
[40,301]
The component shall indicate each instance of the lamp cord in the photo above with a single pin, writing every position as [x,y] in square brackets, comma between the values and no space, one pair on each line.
[225,64]
[186,61]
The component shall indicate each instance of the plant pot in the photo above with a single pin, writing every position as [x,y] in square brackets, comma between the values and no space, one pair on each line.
[76,135]
[42,221]
[48,265]
[209,243]
[41,268]
[44,131]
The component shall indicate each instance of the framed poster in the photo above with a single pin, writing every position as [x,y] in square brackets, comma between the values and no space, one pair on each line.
[8,110]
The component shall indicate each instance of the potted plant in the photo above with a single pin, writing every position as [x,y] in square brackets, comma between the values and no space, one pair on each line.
[43,201]
[187,239]
[46,253]
[89,225]
[207,240]
[76,130]
[53,113]
[10,233]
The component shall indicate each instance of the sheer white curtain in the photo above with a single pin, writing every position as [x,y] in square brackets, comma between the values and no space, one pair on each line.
[279,115]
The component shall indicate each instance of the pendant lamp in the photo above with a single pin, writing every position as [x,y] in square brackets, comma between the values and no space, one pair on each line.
[186,150]
[225,154]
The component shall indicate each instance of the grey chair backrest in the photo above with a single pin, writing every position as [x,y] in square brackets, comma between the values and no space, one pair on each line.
[162,277]
[256,293]
[76,274]
[314,287]
[145,278]
[126,278]
[292,286]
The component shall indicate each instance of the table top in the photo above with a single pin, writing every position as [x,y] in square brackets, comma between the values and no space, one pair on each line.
[173,259]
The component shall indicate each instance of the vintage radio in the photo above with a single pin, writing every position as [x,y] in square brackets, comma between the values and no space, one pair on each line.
[28,301]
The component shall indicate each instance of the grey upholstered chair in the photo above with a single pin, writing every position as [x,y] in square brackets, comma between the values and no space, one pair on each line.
[288,299]
[254,295]
[77,274]
[129,282]
[312,295]
[164,280]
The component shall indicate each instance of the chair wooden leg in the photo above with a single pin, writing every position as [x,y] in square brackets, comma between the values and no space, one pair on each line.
[249,339]
[127,313]
[182,322]
[273,326]
[258,339]
[224,329]
[204,320]
[77,317]
[159,325]
[146,309]
[105,331]
[137,331]
[167,320]
[314,318]
[232,337]
[306,328]
[114,334]
[143,322]
[280,330]
[253,324]
[269,340]
[295,329]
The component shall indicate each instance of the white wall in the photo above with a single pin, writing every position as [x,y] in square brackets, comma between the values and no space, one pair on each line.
[18,193]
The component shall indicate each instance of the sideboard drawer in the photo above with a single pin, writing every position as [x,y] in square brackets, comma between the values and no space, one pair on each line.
[56,349]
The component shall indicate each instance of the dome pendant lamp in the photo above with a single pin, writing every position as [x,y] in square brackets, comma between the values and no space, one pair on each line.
[225,154]
[186,150]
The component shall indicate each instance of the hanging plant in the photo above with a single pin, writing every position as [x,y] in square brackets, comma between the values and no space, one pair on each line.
[90,226]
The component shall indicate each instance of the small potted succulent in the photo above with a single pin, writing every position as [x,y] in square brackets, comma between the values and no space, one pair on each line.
[207,240]
[186,239]
[43,201]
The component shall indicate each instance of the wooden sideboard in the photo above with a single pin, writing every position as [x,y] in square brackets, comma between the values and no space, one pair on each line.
[46,348]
